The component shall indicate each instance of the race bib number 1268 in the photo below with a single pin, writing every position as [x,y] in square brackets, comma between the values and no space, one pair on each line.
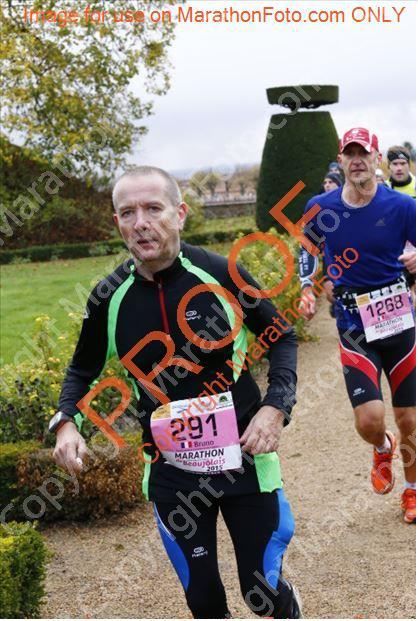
[385,312]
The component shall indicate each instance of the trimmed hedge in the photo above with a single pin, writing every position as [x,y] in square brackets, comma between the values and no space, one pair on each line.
[35,489]
[61,251]
[298,147]
[23,557]
[214,237]
[112,246]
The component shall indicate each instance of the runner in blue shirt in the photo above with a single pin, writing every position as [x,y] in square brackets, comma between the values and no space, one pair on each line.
[363,228]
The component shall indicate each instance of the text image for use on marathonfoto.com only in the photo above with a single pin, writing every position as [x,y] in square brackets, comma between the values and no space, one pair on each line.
[188,14]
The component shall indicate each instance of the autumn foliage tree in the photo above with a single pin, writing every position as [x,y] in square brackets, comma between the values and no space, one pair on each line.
[66,89]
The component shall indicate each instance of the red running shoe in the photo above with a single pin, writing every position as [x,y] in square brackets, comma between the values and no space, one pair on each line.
[409,505]
[382,476]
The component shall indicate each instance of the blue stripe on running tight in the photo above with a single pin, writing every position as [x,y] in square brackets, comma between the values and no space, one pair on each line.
[175,553]
[278,542]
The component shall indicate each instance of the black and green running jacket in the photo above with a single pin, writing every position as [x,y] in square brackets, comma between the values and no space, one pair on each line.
[125,308]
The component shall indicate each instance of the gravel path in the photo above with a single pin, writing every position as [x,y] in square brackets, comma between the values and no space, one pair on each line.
[351,556]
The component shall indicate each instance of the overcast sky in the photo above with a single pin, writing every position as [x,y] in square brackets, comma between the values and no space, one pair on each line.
[216,112]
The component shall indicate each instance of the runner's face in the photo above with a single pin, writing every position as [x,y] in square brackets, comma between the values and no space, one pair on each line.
[359,165]
[329,185]
[147,219]
[399,170]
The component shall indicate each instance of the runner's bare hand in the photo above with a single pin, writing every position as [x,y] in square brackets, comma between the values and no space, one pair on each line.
[329,291]
[409,260]
[307,305]
[70,448]
[263,432]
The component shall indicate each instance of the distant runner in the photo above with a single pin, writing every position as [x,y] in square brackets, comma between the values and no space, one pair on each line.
[401,178]
[364,227]
[332,181]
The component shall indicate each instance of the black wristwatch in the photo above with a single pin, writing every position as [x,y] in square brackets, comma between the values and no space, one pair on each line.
[57,419]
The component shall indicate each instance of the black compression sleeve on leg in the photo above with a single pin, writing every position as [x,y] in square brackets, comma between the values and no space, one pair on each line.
[189,537]
[261,526]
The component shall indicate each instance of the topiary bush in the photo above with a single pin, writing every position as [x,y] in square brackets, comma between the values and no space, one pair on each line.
[23,557]
[304,96]
[298,147]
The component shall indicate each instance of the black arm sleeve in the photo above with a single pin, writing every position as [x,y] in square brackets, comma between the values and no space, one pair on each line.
[89,357]
[282,354]
[281,392]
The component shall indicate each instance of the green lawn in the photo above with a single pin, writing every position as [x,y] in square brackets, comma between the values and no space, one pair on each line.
[32,289]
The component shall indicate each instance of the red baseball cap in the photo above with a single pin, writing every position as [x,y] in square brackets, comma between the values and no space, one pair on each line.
[359,135]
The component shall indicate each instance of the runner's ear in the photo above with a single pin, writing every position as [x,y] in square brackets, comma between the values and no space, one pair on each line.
[182,213]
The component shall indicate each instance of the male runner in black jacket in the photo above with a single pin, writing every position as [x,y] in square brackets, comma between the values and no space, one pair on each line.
[178,322]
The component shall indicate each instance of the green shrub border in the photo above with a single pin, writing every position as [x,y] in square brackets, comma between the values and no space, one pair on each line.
[23,557]
[105,247]
[61,251]
[110,482]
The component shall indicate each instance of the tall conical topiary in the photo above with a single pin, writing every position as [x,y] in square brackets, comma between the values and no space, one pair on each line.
[299,147]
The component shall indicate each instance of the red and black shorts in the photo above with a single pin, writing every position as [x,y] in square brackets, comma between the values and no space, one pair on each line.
[363,364]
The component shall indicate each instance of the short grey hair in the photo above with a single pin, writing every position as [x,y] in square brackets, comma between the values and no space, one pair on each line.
[172,189]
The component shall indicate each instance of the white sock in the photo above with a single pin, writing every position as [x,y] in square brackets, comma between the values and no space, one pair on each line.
[385,448]
[410,485]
